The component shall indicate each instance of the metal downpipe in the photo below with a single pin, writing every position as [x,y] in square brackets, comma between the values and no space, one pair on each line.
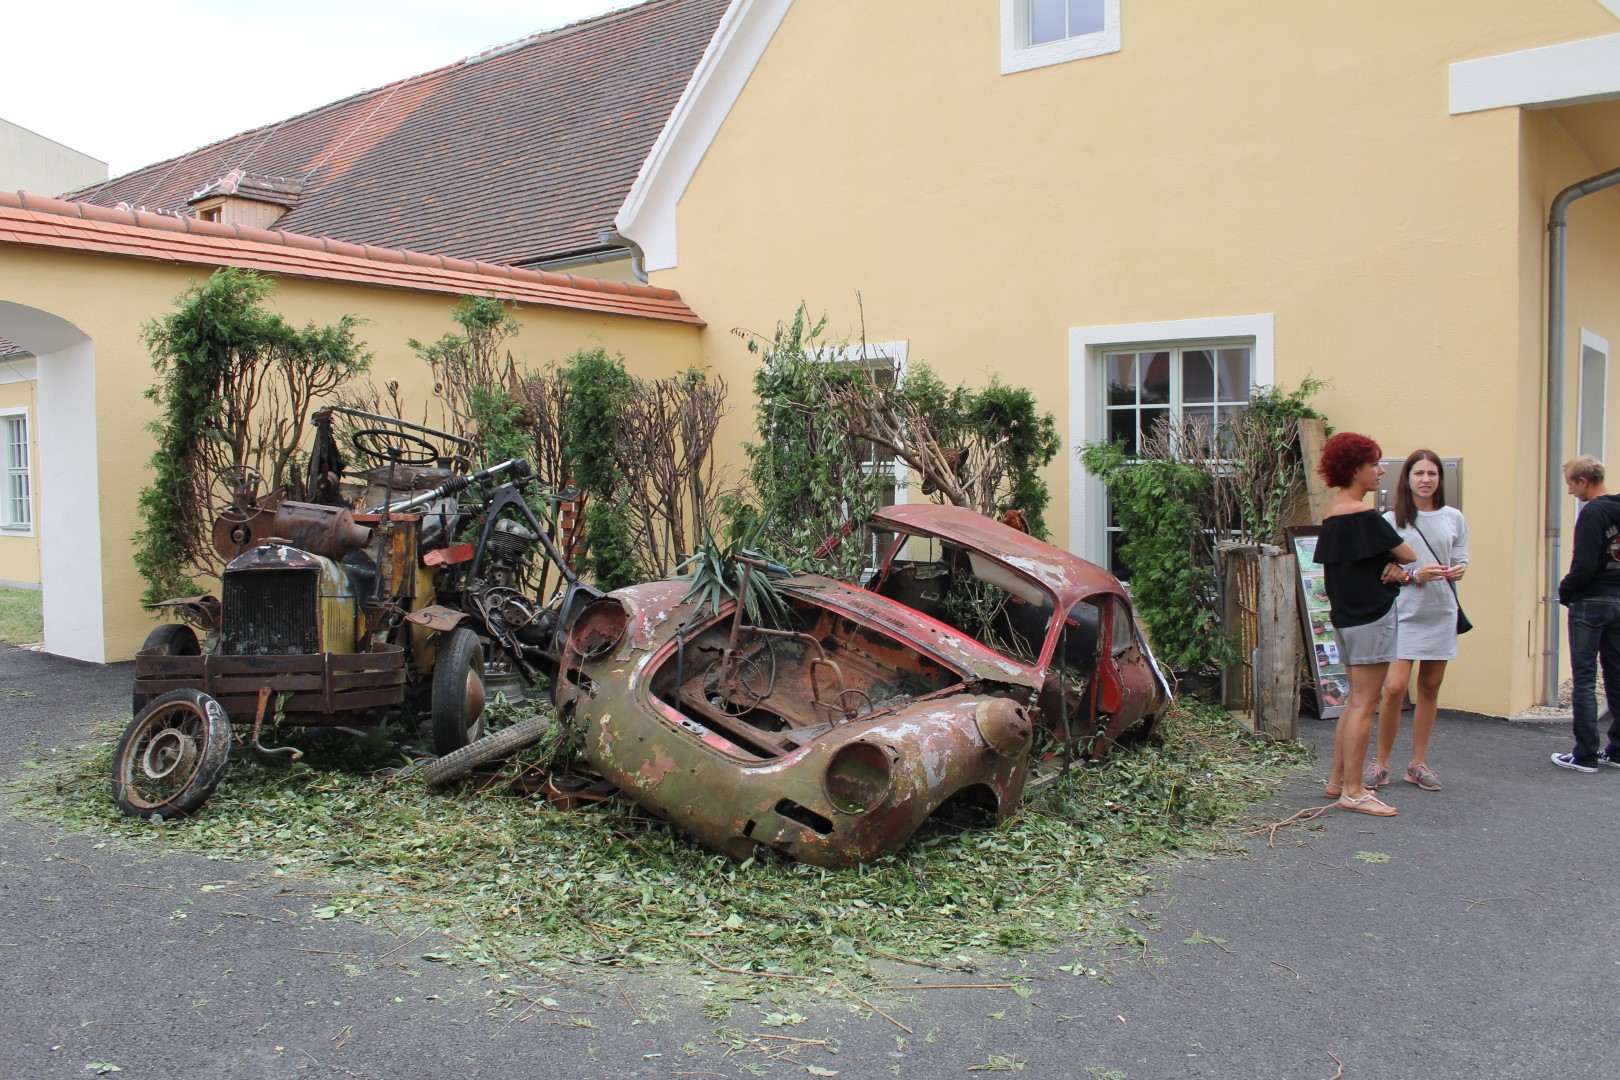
[1557,252]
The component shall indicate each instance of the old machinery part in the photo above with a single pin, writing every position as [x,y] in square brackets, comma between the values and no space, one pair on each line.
[378,445]
[170,639]
[508,548]
[172,755]
[270,612]
[735,685]
[1005,726]
[502,744]
[599,628]
[234,492]
[458,691]
[328,531]
[858,777]
[292,752]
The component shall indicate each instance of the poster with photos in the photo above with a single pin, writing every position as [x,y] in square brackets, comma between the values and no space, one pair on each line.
[1331,683]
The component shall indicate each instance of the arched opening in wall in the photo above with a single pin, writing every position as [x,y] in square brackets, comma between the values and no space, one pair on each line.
[50,476]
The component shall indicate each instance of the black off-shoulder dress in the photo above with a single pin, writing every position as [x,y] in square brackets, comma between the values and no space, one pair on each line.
[1353,550]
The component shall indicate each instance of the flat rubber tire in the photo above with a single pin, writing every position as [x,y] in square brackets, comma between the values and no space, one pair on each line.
[502,744]
[172,755]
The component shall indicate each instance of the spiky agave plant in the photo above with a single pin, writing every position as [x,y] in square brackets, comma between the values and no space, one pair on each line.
[716,575]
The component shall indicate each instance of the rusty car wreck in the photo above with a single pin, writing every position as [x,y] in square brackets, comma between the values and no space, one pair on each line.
[975,662]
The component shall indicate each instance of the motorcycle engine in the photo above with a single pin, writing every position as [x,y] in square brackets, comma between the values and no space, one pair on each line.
[508,551]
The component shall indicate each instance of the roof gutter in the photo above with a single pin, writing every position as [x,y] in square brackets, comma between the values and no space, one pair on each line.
[1557,257]
[638,258]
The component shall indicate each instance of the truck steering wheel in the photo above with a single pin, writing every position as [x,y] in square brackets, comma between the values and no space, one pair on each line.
[374,444]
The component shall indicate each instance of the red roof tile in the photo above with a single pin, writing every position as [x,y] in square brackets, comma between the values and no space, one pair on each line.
[36,221]
[522,152]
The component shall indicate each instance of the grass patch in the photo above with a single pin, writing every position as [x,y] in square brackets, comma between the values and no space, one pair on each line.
[523,886]
[21,619]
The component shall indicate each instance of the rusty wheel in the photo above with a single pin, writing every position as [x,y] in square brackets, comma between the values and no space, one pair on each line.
[172,755]
[233,492]
[458,691]
[737,695]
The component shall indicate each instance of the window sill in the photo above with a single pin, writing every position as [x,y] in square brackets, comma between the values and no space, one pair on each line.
[1059,52]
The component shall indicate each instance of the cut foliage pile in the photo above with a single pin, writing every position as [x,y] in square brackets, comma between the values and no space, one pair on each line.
[524,886]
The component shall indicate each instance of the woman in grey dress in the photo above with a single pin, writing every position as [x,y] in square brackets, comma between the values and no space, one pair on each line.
[1427,635]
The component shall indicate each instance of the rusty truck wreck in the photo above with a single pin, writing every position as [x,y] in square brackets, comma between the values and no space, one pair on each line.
[975,659]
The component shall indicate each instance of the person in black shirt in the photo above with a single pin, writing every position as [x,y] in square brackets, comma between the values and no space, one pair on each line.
[1360,554]
[1591,591]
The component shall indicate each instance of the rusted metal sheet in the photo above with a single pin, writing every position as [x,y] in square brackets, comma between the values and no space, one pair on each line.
[437,617]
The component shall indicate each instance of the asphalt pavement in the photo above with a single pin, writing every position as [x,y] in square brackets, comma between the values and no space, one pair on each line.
[1474,935]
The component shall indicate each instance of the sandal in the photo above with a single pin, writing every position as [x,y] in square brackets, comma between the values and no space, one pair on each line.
[1376,776]
[1367,804]
[1332,791]
[1420,774]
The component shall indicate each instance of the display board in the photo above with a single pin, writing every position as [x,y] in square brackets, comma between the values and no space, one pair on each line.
[1331,683]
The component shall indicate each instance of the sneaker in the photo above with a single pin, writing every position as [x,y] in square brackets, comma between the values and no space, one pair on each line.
[1611,758]
[1376,776]
[1423,776]
[1567,761]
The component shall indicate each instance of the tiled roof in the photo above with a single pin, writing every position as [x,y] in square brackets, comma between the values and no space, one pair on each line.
[525,151]
[36,221]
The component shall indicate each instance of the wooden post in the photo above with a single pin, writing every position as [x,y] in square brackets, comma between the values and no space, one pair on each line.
[1311,437]
[1277,669]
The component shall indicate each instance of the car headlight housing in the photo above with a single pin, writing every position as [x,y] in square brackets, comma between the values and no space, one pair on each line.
[858,777]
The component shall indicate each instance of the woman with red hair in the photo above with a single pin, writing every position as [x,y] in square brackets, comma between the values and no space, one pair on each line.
[1361,556]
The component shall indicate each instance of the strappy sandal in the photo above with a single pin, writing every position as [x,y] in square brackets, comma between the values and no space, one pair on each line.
[1367,804]
[1332,791]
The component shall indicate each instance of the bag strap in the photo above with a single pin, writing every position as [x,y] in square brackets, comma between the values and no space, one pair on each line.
[1436,558]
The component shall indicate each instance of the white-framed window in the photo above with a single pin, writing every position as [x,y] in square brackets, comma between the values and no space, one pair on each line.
[1592,431]
[17,501]
[1203,383]
[1124,377]
[1039,33]
[886,361]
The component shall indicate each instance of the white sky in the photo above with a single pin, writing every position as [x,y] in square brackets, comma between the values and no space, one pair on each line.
[131,84]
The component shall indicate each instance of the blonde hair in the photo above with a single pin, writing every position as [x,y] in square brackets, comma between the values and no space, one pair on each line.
[1586,467]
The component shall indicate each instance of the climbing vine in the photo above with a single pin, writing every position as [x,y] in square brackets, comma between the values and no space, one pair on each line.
[1189,486]
[236,385]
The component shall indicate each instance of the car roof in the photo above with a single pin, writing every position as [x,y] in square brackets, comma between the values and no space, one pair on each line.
[1067,575]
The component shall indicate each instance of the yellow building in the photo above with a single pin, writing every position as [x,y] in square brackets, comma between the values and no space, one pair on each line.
[79,281]
[1264,189]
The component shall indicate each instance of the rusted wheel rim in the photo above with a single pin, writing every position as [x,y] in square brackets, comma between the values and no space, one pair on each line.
[168,752]
[164,757]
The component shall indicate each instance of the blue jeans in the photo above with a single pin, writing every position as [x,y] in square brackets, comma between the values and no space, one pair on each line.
[1594,638]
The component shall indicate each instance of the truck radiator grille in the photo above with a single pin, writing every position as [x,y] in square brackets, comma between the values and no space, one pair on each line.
[270,613]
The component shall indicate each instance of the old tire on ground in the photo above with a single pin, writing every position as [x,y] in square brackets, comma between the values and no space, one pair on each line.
[169,639]
[502,744]
[458,691]
[172,755]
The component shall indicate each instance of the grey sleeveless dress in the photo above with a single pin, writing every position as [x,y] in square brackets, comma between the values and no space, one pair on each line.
[1428,612]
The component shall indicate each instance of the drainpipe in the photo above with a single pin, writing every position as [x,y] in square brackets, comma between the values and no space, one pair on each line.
[1557,248]
[638,265]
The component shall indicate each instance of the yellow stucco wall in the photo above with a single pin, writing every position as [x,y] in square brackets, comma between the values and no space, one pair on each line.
[1233,159]
[109,298]
[19,549]
[1562,147]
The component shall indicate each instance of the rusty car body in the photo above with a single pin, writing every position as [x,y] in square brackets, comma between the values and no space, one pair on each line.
[974,657]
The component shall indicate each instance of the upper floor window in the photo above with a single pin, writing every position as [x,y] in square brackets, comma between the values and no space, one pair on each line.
[1038,33]
[17,504]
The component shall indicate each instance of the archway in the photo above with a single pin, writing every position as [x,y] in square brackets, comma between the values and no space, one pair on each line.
[69,513]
